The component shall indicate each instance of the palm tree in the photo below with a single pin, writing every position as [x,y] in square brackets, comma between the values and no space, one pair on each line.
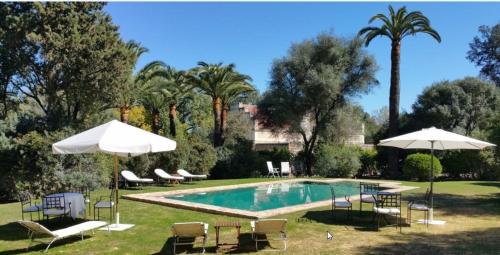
[234,94]
[127,95]
[216,81]
[175,90]
[397,26]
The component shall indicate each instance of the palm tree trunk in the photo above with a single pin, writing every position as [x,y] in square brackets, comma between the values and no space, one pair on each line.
[156,121]
[217,110]
[394,106]
[124,111]
[224,118]
[172,115]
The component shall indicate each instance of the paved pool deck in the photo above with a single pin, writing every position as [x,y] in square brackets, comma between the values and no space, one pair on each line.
[159,197]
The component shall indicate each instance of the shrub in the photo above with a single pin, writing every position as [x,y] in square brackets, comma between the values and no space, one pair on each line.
[202,156]
[368,158]
[418,166]
[237,160]
[337,161]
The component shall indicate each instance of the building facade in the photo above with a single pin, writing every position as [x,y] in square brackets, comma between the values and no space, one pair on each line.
[264,139]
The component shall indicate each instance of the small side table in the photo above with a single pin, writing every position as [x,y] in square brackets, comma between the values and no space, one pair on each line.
[227,224]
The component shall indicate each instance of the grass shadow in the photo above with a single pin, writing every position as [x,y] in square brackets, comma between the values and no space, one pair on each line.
[247,245]
[40,244]
[360,221]
[466,242]
[488,184]
[477,205]
[12,231]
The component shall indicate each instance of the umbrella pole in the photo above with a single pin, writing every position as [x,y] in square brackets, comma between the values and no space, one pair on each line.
[431,209]
[116,190]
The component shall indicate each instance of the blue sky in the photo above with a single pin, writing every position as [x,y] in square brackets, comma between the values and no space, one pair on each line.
[251,35]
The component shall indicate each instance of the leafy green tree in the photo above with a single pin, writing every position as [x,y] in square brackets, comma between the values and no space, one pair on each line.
[484,52]
[309,85]
[79,59]
[221,83]
[16,22]
[397,26]
[462,106]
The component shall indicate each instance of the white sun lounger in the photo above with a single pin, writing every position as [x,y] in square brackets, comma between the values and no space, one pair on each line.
[35,229]
[166,176]
[190,176]
[131,177]
[189,230]
[267,227]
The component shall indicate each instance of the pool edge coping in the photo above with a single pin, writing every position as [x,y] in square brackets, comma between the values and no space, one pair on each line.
[159,198]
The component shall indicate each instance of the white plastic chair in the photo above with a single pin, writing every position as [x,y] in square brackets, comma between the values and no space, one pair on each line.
[285,169]
[271,170]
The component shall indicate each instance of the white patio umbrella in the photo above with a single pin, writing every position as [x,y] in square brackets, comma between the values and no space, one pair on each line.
[434,139]
[118,139]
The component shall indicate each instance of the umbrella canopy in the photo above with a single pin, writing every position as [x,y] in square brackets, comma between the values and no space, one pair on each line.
[118,139]
[441,139]
[434,139]
[115,138]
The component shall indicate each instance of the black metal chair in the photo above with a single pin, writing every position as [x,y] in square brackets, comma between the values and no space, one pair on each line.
[367,193]
[341,204]
[105,202]
[55,205]
[388,204]
[27,206]
[419,205]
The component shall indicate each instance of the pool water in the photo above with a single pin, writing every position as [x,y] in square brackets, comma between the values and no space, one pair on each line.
[271,196]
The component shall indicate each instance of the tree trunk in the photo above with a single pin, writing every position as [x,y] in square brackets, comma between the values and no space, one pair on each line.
[224,118]
[172,115]
[124,111]
[217,110]
[394,106]
[156,121]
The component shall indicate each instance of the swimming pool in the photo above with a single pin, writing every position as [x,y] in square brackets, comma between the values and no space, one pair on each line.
[260,200]
[271,196]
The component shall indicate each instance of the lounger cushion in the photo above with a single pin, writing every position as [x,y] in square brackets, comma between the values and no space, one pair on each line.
[343,204]
[131,177]
[420,207]
[77,229]
[104,204]
[268,226]
[167,176]
[190,229]
[33,208]
[55,211]
[386,210]
[187,174]
[367,199]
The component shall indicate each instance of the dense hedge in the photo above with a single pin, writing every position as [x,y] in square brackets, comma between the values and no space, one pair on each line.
[418,166]
[337,161]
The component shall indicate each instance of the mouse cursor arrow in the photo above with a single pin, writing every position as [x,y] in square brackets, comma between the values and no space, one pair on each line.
[329,236]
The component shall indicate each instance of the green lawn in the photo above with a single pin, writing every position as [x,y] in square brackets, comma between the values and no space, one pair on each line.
[471,209]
